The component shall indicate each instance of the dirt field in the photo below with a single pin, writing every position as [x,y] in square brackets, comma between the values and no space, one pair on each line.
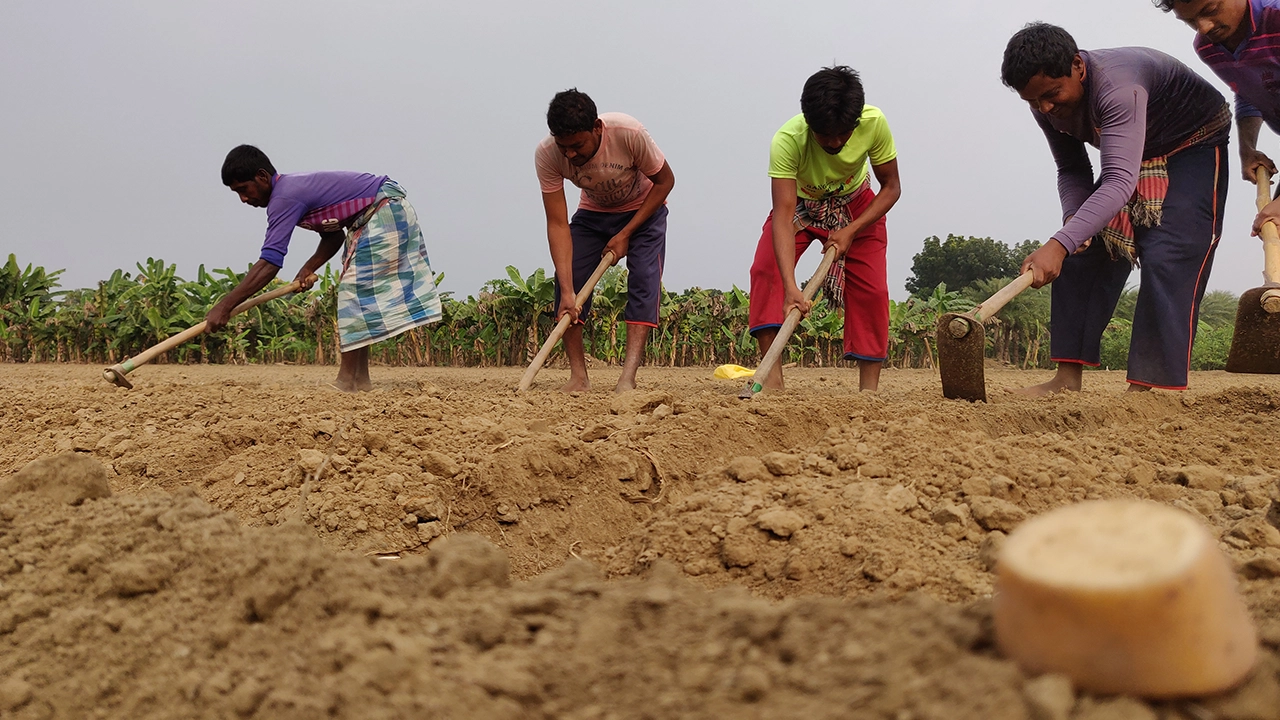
[674,552]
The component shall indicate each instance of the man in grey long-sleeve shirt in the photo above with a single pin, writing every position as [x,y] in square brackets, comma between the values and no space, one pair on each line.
[1153,120]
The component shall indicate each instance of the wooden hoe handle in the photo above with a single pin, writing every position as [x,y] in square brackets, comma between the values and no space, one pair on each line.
[116,373]
[1270,247]
[789,324]
[993,304]
[960,327]
[580,299]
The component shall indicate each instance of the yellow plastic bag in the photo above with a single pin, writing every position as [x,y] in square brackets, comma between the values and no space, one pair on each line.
[733,372]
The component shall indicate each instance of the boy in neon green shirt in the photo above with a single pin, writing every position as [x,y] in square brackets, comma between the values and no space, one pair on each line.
[821,191]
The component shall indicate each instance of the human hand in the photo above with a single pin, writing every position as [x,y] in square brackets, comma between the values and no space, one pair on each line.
[1251,160]
[841,239]
[1045,263]
[618,246]
[217,318]
[794,299]
[305,279]
[568,305]
[1270,213]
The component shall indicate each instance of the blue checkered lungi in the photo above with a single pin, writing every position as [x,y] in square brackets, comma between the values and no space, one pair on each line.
[387,286]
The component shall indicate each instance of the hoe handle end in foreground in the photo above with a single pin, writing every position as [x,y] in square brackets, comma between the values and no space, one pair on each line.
[1271,301]
[959,327]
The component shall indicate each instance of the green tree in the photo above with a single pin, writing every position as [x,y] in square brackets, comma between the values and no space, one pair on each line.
[1021,251]
[961,261]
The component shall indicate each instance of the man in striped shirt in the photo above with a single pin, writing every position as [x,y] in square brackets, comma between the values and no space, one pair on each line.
[387,286]
[1240,42]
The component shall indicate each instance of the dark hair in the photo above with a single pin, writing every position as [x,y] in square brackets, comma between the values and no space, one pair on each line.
[1037,48]
[1167,5]
[832,100]
[243,163]
[571,112]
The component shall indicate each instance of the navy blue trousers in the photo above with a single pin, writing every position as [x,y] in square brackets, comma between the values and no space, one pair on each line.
[1175,259]
[646,253]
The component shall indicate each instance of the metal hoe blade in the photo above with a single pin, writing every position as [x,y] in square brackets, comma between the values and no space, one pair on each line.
[1255,344]
[960,359]
[114,376]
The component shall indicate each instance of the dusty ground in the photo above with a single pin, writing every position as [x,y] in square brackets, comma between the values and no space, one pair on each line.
[218,581]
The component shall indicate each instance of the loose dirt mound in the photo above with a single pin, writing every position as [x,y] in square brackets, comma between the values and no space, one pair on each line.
[161,606]
[546,475]
[214,597]
[893,503]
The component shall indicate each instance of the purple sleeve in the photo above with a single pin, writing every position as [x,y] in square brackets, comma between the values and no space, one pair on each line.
[1244,109]
[1123,116]
[1075,172]
[283,215]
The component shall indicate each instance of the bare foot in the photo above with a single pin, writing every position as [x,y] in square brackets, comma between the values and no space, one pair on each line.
[351,386]
[576,385]
[1133,387]
[1045,389]
[624,385]
[1070,376]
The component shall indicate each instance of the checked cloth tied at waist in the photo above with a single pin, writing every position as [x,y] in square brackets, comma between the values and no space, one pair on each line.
[829,214]
[1146,207]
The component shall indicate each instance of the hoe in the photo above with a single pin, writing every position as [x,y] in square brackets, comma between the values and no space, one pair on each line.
[961,340]
[1255,344]
[771,358]
[116,373]
[525,381]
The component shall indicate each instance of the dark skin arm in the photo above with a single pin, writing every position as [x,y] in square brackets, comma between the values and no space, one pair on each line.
[783,191]
[663,181]
[257,278]
[264,272]
[556,209]
[890,191]
[1250,157]
[330,244]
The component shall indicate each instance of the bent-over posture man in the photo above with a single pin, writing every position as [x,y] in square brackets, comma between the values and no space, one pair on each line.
[1162,132]
[1240,42]
[821,191]
[387,286]
[625,181]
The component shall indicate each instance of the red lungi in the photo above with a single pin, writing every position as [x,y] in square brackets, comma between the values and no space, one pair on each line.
[866,285]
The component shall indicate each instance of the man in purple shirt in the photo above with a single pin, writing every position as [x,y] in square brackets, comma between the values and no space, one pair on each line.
[1162,132]
[1240,42]
[387,286]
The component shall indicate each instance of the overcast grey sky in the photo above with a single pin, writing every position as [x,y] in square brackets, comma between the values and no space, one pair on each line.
[116,117]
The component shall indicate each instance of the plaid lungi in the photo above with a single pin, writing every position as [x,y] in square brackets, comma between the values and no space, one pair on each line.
[387,286]
[829,214]
[1146,207]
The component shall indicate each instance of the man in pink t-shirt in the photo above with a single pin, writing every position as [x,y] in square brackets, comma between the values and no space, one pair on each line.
[625,181]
